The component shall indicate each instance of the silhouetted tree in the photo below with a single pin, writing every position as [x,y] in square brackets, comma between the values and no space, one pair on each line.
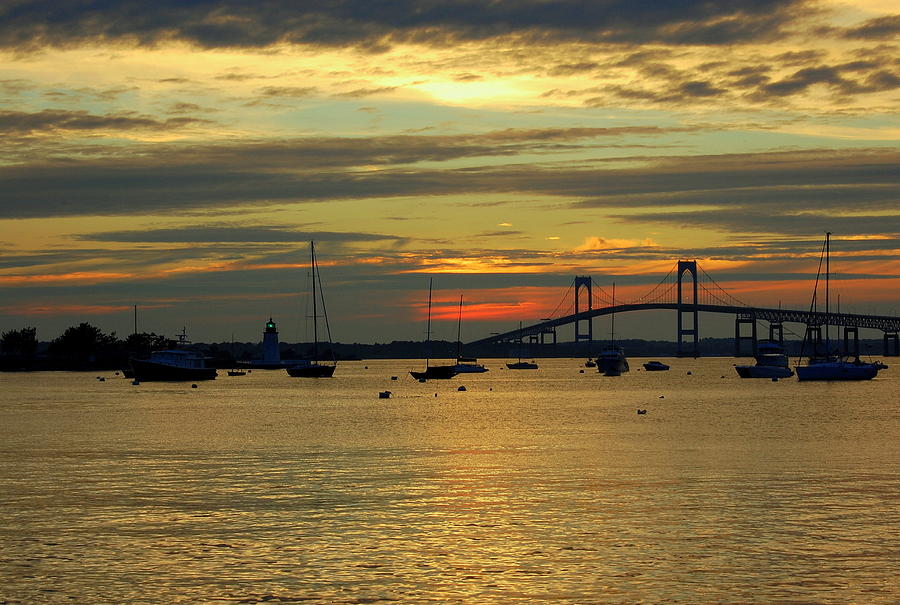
[141,344]
[22,343]
[84,342]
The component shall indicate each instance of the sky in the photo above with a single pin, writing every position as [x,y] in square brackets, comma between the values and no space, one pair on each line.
[180,156]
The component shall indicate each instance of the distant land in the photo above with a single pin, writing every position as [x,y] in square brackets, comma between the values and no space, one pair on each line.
[227,354]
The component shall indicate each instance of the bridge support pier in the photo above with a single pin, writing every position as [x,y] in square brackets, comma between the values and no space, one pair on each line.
[551,332]
[814,338]
[739,321]
[688,266]
[776,327]
[854,331]
[891,338]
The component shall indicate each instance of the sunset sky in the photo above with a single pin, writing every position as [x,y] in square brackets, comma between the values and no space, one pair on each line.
[180,156]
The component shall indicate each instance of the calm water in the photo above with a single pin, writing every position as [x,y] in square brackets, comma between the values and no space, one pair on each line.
[530,486]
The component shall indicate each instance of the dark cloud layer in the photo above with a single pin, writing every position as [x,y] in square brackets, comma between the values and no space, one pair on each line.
[213,233]
[236,23]
[741,192]
[53,120]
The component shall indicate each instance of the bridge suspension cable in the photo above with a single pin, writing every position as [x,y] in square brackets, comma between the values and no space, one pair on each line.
[719,294]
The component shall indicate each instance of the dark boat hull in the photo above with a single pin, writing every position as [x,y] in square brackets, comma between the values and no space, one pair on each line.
[148,371]
[837,371]
[435,373]
[522,365]
[311,371]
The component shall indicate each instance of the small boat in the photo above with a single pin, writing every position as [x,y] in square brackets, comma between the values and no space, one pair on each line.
[519,364]
[826,365]
[311,368]
[522,365]
[771,362]
[469,365]
[612,360]
[432,372]
[465,365]
[655,366]
[172,365]
[590,363]
[237,373]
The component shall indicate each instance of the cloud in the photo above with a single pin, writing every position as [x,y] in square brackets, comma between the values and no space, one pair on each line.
[880,28]
[53,120]
[234,23]
[225,233]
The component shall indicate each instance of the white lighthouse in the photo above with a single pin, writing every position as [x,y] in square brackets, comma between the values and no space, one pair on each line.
[271,354]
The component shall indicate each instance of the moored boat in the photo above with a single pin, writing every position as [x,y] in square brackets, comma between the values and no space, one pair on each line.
[826,364]
[771,362]
[312,368]
[178,364]
[522,365]
[442,372]
[655,366]
[612,360]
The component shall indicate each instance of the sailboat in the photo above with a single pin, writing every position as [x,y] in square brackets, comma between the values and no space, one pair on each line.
[465,365]
[612,360]
[432,372]
[522,365]
[311,368]
[826,365]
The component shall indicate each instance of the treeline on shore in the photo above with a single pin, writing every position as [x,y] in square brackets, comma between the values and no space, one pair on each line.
[86,347]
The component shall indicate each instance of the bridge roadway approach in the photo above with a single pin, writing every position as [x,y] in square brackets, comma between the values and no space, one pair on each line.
[743,316]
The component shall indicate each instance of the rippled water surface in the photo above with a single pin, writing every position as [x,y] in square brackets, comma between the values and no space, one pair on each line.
[529,486]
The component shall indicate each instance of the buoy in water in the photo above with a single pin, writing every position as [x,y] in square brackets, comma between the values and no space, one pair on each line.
[581,371]
[642,411]
[384,395]
[393,378]
[193,386]
[689,373]
[461,388]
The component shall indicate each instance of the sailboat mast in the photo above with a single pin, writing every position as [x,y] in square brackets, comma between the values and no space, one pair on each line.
[613,317]
[428,326]
[827,288]
[459,329]
[312,265]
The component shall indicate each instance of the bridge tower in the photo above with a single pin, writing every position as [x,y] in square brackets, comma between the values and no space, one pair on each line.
[740,320]
[891,338]
[688,266]
[583,282]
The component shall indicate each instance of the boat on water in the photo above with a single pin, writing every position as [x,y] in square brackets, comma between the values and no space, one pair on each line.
[177,364]
[440,372]
[771,362]
[469,365]
[312,368]
[826,364]
[612,360]
[522,365]
[519,364]
[590,363]
[655,366]
[465,365]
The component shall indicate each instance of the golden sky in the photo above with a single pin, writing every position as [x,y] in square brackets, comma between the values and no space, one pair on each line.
[180,156]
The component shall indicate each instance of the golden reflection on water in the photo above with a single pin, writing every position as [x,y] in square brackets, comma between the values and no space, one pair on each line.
[523,488]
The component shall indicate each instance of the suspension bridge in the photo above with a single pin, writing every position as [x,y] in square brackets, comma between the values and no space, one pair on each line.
[689,290]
